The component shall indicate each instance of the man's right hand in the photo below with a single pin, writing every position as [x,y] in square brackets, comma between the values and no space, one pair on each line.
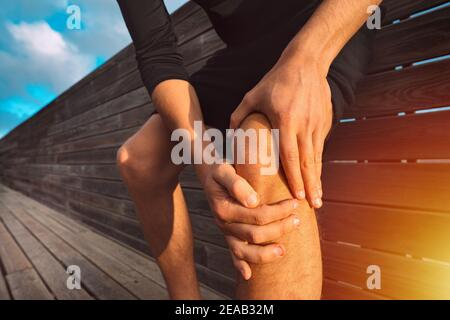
[250,230]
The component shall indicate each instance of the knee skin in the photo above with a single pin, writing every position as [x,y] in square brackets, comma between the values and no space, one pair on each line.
[298,275]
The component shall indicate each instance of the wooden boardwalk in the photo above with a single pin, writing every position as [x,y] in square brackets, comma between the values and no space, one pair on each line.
[37,244]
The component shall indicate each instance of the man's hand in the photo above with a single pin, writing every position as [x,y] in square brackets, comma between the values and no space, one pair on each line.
[295,95]
[296,99]
[249,229]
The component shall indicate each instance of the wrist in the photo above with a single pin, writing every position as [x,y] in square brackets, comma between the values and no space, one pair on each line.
[304,52]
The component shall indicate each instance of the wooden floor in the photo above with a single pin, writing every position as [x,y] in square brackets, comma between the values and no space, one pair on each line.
[37,245]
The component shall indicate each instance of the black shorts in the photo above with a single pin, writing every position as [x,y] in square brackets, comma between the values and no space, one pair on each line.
[232,72]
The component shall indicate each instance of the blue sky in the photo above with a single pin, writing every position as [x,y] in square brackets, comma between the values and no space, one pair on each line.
[40,57]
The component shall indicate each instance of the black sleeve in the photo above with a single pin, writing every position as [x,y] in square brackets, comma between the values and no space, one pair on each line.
[154,40]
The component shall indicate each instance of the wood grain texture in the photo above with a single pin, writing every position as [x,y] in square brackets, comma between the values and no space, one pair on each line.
[26,285]
[4,292]
[334,290]
[402,9]
[421,87]
[400,231]
[414,136]
[401,277]
[417,39]
[52,271]
[421,186]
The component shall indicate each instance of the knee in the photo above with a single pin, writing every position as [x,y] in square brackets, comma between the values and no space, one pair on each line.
[143,167]
[266,182]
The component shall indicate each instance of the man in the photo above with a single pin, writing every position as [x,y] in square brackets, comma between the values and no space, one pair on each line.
[288,65]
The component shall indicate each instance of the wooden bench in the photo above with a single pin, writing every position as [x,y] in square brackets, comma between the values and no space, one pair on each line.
[386,170]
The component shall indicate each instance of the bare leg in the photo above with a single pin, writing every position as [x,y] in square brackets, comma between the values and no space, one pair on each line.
[298,275]
[152,180]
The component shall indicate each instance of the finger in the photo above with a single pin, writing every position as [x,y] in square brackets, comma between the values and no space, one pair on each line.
[265,214]
[261,234]
[319,141]
[237,187]
[241,112]
[243,267]
[253,253]
[308,169]
[290,160]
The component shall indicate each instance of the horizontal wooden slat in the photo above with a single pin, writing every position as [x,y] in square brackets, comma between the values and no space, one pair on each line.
[401,277]
[417,233]
[414,136]
[401,9]
[419,87]
[333,290]
[114,106]
[417,39]
[416,186]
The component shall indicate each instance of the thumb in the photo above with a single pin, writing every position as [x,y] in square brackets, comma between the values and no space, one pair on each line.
[241,112]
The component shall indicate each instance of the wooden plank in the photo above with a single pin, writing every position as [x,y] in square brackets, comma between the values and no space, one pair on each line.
[216,258]
[333,290]
[52,272]
[417,233]
[97,282]
[401,277]
[26,285]
[12,257]
[184,12]
[417,39]
[204,228]
[420,87]
[417,186]
[140,286]
[401,9]
[125,102]
[194,23]
[414,136]
[143,264]
[4,293]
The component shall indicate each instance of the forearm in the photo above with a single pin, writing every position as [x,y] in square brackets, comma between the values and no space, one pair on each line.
[178,105]
[328,30]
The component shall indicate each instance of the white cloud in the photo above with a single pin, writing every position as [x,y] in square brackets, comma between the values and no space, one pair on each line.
[38,38]
[49,56]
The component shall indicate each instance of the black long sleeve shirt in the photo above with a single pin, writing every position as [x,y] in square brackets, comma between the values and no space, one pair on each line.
[235,21]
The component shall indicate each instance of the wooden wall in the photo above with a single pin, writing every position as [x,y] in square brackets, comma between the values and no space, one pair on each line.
[386,183]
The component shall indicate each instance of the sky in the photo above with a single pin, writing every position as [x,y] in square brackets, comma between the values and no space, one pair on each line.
[40,57]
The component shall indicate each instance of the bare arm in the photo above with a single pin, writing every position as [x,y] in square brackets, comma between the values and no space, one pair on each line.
[328,30]
[295,95]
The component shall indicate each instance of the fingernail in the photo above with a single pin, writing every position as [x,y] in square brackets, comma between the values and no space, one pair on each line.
[296,221]
[319,189]
[301,194]
[295,205]
[252,200]
[317,202]
[279,251]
